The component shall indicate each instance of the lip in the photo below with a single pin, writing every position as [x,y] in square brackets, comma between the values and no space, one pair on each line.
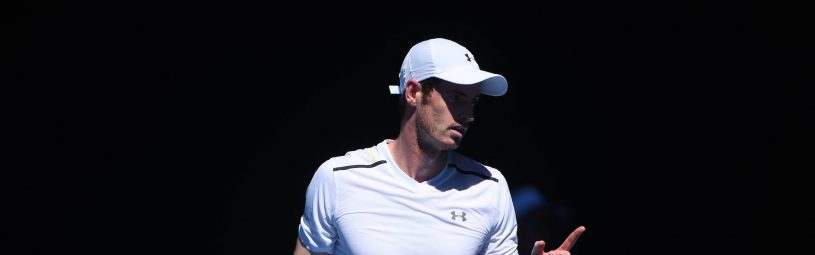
[459,130]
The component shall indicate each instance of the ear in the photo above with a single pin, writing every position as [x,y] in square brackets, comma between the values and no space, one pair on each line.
[412,91]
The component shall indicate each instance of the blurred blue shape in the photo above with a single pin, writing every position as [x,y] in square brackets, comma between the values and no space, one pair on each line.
[526,199]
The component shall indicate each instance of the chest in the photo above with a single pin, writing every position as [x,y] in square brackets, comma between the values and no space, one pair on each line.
[406,221]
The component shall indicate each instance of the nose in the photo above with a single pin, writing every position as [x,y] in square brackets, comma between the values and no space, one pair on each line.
[467,118]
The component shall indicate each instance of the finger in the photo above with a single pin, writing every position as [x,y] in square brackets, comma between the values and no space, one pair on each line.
[537,248]
[572,239]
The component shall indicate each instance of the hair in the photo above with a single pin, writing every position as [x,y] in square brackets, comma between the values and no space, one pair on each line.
[427,87]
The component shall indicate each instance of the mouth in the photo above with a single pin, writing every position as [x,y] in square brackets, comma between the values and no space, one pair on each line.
[461,130]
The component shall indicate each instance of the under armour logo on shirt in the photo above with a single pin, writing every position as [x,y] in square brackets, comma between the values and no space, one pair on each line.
[468,57]
[461,216]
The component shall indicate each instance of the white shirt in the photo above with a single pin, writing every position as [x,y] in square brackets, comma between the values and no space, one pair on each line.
[362,203]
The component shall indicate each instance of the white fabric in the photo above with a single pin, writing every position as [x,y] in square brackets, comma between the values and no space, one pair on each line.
[448,60]
[381,210]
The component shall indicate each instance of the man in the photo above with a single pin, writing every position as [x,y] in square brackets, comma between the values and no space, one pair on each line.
[415,194]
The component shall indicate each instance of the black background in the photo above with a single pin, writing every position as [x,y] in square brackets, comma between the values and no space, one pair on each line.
[194,127]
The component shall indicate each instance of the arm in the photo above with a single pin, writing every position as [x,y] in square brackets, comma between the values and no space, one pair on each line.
[503,238]
[316,230]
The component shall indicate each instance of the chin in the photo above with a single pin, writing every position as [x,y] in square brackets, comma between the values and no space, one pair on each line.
[454,144]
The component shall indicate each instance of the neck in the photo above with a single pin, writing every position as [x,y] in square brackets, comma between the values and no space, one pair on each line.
[418,161]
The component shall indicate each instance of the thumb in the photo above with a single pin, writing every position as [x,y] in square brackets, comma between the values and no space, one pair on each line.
[537,248]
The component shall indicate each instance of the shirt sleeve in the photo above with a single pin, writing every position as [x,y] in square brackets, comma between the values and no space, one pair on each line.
[317,229]
[504,239]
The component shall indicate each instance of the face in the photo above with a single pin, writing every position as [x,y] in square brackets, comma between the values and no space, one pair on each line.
[443,116]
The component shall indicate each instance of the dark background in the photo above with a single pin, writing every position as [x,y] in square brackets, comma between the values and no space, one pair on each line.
[195,127]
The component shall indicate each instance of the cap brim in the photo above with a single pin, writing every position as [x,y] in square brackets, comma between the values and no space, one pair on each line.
[491,84]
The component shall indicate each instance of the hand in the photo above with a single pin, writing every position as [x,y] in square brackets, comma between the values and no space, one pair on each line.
[564,248]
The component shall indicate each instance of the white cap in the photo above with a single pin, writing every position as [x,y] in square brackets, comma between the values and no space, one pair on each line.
[449,61]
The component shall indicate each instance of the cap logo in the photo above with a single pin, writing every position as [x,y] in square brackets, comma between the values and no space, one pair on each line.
[468,57]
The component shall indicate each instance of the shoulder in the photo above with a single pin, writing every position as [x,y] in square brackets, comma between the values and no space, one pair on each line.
[360,158]
[466,165]
[328,171]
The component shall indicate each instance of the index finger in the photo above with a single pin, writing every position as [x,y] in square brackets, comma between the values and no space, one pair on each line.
[572,239]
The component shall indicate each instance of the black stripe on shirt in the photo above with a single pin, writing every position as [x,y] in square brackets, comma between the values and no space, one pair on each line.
[474,173]
[359,166]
